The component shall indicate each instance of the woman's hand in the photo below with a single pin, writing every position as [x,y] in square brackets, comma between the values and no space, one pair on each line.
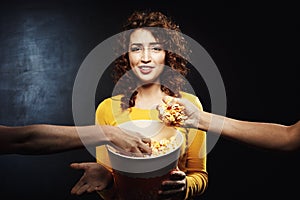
[174,187]
[95,178]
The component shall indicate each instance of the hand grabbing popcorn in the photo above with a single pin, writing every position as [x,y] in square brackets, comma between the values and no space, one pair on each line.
[172,113]
[179,112]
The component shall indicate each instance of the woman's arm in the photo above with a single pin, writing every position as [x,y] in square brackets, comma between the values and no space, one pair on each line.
[46,139]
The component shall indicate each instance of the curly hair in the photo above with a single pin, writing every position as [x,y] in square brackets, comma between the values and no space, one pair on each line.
[167,33]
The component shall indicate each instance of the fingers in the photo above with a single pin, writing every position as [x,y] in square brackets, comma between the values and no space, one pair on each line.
[172,189]
[75,165]
[133,152]
[136,142]
[171,184]
[92,189]
[82,187]
[172,113]
[145,146]
[177,175]
[76,189]
[79,166]
[85,189]
[171,100]
[80,190]
[137,153]
[146,140]
[168,99]
[137,145]
[174,186]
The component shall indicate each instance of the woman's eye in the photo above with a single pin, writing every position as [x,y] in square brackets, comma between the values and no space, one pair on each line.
[135,49]
[156,48]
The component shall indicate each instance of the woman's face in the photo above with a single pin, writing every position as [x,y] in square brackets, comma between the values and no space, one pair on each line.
[146,56]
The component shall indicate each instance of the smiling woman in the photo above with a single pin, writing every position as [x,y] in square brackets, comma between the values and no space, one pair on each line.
[144,74]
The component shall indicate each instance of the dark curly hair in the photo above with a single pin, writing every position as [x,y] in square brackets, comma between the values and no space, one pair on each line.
[167,33]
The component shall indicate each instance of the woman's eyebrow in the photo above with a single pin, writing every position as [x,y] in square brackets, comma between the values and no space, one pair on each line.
[155,43]
[139,44]
[151,43]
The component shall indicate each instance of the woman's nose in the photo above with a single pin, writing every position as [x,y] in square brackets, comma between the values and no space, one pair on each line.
[146,57]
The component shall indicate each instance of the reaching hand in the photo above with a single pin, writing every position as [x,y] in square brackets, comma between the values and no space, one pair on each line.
[128,143]
[174,187]
[95,178]
[190,110]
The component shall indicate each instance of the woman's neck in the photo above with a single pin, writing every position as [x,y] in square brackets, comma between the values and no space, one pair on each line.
[149,96]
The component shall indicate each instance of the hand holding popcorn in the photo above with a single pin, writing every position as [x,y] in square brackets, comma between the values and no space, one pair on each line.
[178,112]
[171,112]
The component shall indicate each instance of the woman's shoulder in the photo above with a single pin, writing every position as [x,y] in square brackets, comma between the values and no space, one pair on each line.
[192,98]
[107,102]
[188,96]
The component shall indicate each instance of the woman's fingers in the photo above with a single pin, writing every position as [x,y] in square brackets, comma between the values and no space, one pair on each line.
[174,186]
[177,175]
[166,185]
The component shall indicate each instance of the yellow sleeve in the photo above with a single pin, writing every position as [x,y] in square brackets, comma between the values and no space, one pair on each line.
[102,113]
[195,166]
[102,117]
[193,163]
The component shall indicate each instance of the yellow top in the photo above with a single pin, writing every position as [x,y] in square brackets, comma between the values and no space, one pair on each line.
[192,162]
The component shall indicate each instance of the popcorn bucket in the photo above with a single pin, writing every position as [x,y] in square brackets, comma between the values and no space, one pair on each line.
[140,178]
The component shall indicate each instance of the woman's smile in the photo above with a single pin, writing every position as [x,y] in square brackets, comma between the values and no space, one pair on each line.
[145,69]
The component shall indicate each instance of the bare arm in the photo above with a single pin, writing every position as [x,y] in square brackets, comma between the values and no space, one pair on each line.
[260,134]
[37,139]
[46,139]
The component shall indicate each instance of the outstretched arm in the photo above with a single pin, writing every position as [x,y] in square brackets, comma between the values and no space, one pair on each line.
[260,134]
[47,139]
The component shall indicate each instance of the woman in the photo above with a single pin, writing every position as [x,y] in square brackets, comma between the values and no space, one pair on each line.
[144,74]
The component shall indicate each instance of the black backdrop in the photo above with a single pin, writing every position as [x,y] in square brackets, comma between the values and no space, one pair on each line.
[255,47]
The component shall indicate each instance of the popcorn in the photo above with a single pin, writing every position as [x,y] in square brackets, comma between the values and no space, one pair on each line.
[162,146]
[173,113]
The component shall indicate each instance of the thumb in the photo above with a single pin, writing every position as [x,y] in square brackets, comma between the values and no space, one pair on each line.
[146,140]
[78,166]
[172,100]
[167,99]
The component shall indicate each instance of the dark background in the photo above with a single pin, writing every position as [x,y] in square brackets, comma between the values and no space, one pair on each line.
[254,45]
